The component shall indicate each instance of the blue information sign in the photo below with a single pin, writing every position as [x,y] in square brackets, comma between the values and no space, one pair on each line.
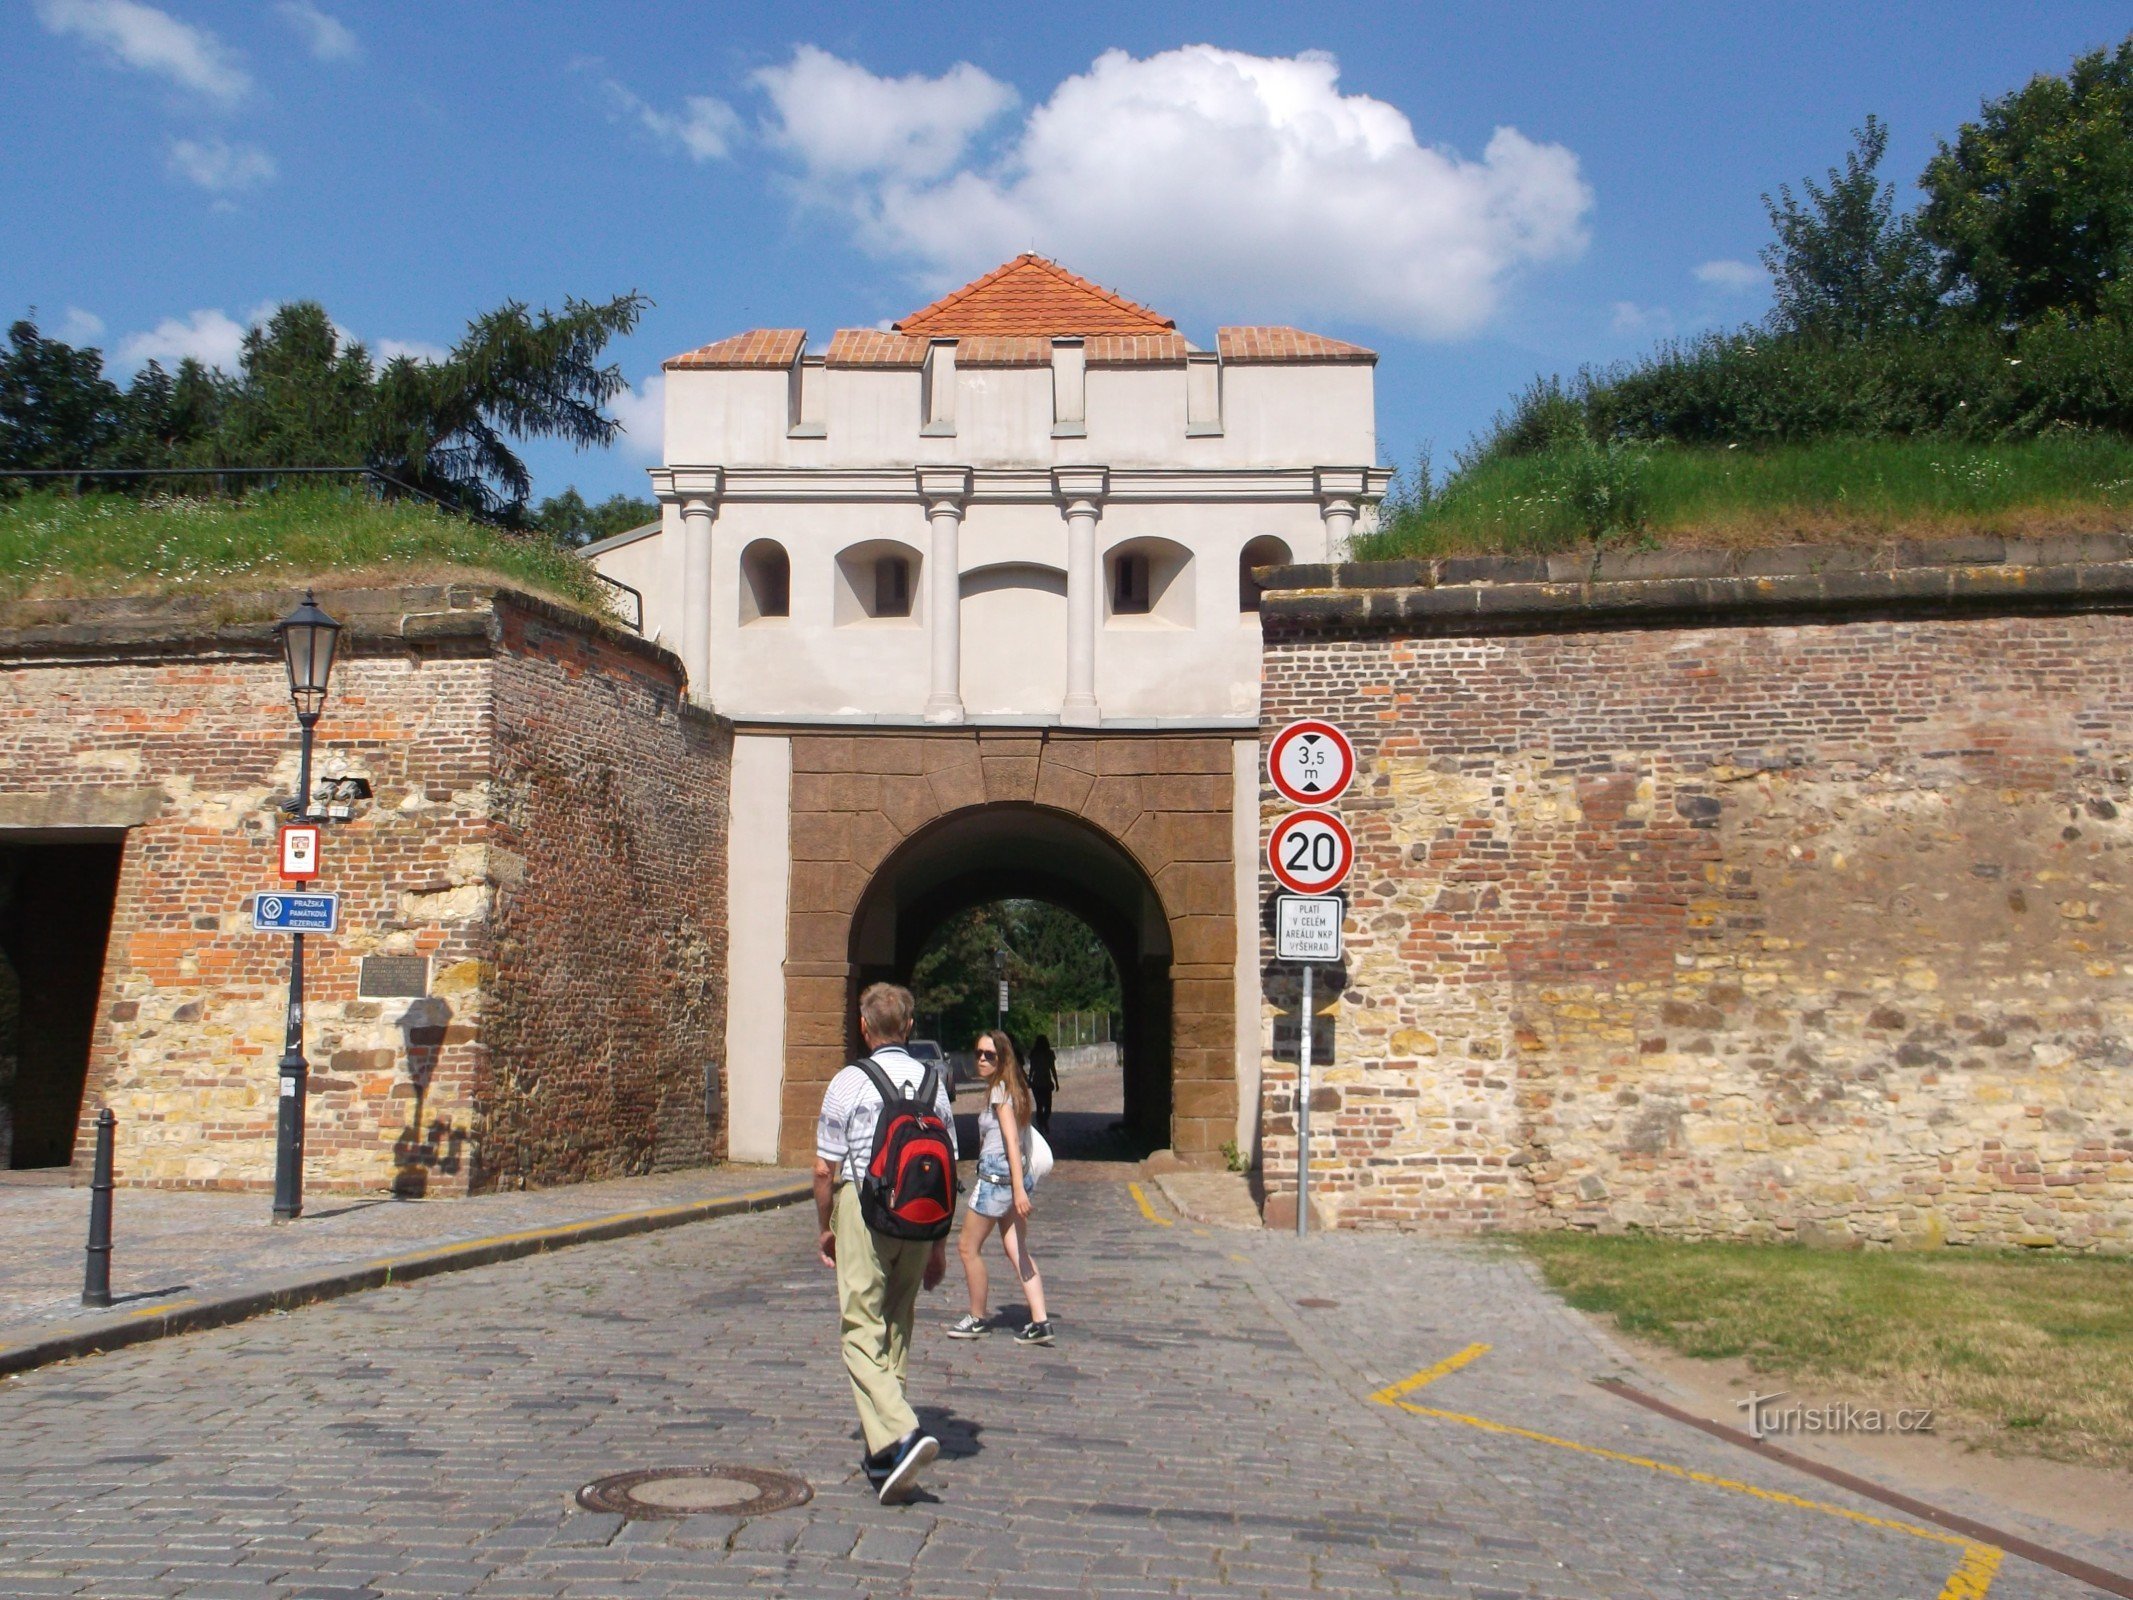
[276,912]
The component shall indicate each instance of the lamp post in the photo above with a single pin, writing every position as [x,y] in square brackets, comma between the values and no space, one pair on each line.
[999,967]
[308,638]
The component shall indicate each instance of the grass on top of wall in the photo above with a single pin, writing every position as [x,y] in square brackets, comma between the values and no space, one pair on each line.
[1835,490]
[63,546]
[2025,1352]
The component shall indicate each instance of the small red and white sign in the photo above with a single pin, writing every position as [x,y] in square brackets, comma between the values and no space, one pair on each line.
[1311,762]
[299,850]
[1310,852]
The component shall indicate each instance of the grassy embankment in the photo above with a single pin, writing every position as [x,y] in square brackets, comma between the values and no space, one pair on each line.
[2022,1353]
[1836,490]
[57,546]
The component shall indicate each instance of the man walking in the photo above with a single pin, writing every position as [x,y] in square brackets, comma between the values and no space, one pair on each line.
[878,1276]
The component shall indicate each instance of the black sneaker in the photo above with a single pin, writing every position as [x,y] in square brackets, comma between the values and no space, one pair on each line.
[914,1453]
[1034,1333]
[968,1327]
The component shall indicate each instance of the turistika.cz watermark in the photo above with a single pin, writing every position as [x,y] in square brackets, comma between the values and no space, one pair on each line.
[1767,1417]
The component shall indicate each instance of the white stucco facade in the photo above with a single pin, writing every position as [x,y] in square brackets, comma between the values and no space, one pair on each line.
[1035,523]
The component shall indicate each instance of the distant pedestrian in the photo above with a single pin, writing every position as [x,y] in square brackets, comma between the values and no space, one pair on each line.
[1002,1197]
[886,1239]
[1043,1081]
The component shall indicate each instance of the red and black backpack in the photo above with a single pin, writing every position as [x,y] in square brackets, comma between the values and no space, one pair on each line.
[908,1189]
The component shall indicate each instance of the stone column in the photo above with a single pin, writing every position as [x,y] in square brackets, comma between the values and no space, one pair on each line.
[1080,491]
[697,513]
[681,615]
[944,491]
[1340,501]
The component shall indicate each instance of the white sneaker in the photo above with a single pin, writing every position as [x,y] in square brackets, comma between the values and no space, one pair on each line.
[969,1327]
[903,1477]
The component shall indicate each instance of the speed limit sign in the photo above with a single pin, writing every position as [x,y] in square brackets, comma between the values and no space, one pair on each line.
[1310,852]
[1310,762]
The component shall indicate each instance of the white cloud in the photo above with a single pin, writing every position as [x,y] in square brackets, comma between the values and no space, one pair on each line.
[327,38]
[220,167]
[1247,186]
[154,42]
[642,412]
[80,327]
[841,121]
[704,129]
[414,349]
[209,336]
[1629,317]
[1734,277]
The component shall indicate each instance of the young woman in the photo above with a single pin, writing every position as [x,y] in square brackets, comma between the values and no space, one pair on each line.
[1002,1197]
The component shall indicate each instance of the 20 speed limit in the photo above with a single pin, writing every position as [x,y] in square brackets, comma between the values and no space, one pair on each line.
[1310,852]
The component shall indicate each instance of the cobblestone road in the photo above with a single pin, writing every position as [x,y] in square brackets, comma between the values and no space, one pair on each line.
[1203,1428]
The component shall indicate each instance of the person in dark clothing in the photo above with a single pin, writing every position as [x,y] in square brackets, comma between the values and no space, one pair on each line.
[1043,1081]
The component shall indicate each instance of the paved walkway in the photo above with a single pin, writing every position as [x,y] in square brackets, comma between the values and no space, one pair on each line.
[194,1245]
[1215,1422]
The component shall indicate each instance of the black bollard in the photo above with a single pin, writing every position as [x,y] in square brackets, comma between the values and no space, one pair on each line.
[96,1283]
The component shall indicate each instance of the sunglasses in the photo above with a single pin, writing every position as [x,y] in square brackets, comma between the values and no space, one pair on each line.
[988,1055]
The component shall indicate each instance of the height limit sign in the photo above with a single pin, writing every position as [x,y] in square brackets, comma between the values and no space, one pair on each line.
[1310,762]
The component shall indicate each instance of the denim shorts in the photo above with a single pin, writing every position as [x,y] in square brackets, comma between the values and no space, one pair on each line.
[995,1194]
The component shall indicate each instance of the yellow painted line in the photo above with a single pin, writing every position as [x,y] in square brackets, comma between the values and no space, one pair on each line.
[1390,1394]
[160,1307]
[1711,1480]
[1970,1580]
[1141,1199]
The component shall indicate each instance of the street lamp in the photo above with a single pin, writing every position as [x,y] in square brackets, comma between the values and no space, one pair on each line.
[308,639]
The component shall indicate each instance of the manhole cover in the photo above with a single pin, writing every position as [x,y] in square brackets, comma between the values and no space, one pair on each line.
[727,1491]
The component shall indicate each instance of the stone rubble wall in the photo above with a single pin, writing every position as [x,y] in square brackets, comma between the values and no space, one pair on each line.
[168,721]
[1794,915]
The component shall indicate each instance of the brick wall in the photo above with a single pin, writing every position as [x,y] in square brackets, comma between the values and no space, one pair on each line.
[1782,910]
[609,998]
[172,723]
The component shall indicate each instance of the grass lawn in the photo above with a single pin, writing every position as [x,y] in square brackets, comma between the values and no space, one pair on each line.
[2029,1353]
[1836,490]
[54,545]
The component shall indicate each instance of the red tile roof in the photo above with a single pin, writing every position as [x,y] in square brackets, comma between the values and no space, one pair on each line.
[1003,350]
[759,347]
[1246,346]
[1137,349]
[1036,297]
[870,347]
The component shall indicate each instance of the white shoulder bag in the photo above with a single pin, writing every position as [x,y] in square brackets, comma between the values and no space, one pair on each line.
[1036,1158]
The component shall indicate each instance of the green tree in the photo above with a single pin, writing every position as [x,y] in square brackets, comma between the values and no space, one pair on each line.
[2032,205]
[1055,963]
[57,409]
[568,520]
[1844,265]
[302,398]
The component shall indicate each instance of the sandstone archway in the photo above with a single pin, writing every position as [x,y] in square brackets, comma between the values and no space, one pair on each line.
[892,832]
[998,852]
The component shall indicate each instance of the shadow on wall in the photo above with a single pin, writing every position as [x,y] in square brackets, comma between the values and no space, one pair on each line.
[417,1154]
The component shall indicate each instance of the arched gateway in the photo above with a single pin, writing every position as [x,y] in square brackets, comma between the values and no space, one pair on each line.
[976,595]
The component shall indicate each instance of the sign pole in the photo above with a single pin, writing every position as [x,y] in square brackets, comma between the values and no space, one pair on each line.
[289,1129]
[1303,1113]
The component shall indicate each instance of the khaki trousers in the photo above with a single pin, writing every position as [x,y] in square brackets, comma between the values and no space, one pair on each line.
[877,1298]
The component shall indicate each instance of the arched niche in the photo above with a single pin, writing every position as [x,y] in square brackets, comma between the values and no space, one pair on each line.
[766,582]
[877,583]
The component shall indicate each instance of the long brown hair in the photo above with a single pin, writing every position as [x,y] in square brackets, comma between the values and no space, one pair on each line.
[1011,1075]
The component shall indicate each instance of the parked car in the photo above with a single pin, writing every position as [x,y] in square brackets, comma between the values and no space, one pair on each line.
[929,1053]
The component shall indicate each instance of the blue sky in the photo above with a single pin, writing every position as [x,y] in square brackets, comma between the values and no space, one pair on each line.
[171,169]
